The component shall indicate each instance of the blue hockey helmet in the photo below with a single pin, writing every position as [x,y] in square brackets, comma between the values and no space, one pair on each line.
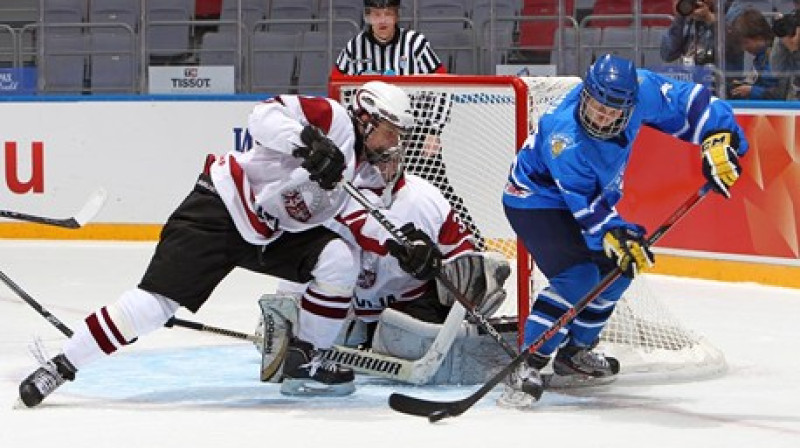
[613,85]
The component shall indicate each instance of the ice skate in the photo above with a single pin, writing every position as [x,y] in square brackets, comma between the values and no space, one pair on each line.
[44,380]
[524,386]
[574,360]
[306,372]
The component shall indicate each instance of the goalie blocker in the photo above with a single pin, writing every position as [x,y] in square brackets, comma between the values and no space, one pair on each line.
[404,348]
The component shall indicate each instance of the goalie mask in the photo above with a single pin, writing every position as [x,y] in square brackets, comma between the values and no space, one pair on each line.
[609,95]
[389,119]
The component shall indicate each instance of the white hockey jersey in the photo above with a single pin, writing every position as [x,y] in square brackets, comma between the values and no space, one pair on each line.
[382,283]
[265,189]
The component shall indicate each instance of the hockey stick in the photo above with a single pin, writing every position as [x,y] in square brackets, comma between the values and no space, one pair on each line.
[89,210]
[35,305]
[177,322]
[437,410]
[400,237]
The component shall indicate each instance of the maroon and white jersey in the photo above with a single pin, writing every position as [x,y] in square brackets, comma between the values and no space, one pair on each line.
[382,282]
[265,189]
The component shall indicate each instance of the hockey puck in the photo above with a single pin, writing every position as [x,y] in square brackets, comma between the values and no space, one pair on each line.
[437,415]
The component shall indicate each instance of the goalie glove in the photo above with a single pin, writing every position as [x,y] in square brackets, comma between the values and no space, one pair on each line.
[628,248]
[721,161]
[322,159]
[420,258]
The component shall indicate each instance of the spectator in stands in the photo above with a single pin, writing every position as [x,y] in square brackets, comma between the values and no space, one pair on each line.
[756,36]
[384,48]
[692,36]
[785,56]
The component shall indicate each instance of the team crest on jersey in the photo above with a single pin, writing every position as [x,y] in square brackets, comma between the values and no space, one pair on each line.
[369,268]
[302,202]
[295,205]
[366,279]
[558,143]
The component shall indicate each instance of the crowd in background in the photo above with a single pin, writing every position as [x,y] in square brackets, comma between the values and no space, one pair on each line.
[750,50]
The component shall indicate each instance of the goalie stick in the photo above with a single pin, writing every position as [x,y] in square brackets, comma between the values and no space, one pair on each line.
[437,410]
[89,210]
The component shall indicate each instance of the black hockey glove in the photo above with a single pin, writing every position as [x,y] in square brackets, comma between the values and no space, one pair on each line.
[629,249]
[422,259]
[321,158]
[721,161]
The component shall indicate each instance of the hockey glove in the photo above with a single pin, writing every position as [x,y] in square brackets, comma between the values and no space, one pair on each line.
[721,161]
[321,158]
[421,258]
[628,248]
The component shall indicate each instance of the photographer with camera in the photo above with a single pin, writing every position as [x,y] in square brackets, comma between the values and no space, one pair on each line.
[756,36]
[785,57]
[692,36]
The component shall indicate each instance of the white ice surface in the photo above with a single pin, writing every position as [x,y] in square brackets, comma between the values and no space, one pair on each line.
[182,388]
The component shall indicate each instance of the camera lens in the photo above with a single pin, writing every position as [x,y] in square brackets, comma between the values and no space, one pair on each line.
[685,7]
[786,25]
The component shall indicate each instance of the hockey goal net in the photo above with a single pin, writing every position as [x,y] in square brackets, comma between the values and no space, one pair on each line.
[468,131]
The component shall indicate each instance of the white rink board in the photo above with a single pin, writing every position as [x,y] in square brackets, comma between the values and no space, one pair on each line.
[146,154]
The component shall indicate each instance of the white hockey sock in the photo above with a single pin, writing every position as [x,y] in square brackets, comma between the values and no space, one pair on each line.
[103,332]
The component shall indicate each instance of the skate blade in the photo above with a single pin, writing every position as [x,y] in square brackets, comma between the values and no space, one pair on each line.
[515,399]
[554,381]
[311,388]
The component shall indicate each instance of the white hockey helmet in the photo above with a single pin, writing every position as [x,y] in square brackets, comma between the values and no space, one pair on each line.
[386,102]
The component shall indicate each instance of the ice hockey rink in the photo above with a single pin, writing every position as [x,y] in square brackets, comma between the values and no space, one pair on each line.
[183,388]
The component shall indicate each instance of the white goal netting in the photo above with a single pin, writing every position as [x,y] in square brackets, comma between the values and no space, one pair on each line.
[468,131]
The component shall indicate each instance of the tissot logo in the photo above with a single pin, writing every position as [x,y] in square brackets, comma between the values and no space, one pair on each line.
[191,80]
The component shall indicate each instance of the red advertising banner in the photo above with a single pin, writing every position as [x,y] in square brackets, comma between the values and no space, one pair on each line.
[763,216]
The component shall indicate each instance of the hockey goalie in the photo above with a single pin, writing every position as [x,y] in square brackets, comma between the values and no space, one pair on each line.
[402,327]
[396,341]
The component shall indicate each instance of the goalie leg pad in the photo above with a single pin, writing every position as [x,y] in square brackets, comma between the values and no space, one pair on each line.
[279,321]
[279,314]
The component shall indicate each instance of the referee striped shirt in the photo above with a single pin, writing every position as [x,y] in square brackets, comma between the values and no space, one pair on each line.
[409,53]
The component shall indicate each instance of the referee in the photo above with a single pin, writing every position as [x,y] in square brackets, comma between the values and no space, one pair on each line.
[384,48]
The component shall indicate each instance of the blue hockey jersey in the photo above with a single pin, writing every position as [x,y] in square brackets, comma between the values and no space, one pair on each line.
[561,167]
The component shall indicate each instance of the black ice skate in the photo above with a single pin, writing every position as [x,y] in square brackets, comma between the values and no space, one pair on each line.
[45,380]
[524,386]
[574,360]
[306,372]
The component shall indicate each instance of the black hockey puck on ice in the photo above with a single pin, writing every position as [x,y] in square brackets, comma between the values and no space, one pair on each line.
[437,415]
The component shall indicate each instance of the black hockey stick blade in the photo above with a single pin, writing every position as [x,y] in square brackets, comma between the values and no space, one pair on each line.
[437,410]
[89,211]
